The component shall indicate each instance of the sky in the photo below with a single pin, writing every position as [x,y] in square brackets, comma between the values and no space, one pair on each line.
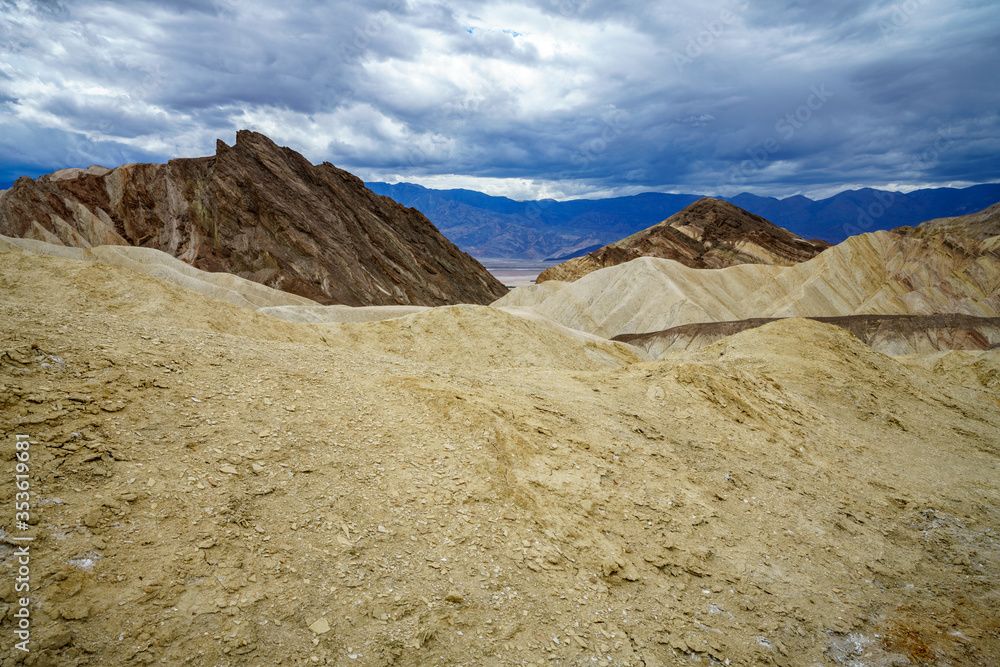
[551,99]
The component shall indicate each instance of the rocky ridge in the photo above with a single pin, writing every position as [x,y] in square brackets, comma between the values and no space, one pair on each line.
[708,234]
[260,212]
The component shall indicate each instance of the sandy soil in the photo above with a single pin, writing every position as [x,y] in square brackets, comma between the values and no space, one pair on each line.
[215,487]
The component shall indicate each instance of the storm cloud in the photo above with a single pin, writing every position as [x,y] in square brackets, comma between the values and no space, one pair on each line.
[556,98]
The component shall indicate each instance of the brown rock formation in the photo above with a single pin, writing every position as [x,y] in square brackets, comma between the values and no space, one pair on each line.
[261,212]
[708,234]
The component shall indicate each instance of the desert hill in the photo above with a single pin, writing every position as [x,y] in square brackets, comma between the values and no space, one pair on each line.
[524,335]
[872,274]
[708,234]
[459,486]
[260,212]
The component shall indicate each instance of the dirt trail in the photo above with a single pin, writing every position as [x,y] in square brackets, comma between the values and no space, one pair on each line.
[214,487]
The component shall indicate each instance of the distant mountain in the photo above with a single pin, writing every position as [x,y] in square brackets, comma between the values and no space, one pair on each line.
[499,227]
[708,234]
[576,254]
[261,212]
[486,226]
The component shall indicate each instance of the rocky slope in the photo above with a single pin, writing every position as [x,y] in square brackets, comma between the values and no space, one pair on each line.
[980,226]
[888,334]
[879,273]
[260,212]
[214,486]
[708,234]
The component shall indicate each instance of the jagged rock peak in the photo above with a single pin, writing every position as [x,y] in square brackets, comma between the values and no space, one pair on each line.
[262,212]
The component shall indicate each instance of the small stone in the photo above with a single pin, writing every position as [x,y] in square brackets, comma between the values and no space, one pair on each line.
[258,468]
[76,610]
[587,505]
[229,470]
[92,518]
[206,544]
[382,529]
[57,640]
[454,596]
[320,627]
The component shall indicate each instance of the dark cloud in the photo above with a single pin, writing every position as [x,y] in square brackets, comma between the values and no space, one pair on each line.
[770,96]
[33,151]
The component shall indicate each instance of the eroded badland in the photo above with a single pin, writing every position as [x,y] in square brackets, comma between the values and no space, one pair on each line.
[464,486]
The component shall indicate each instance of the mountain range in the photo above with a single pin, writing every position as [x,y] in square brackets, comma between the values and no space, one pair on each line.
[498,227]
